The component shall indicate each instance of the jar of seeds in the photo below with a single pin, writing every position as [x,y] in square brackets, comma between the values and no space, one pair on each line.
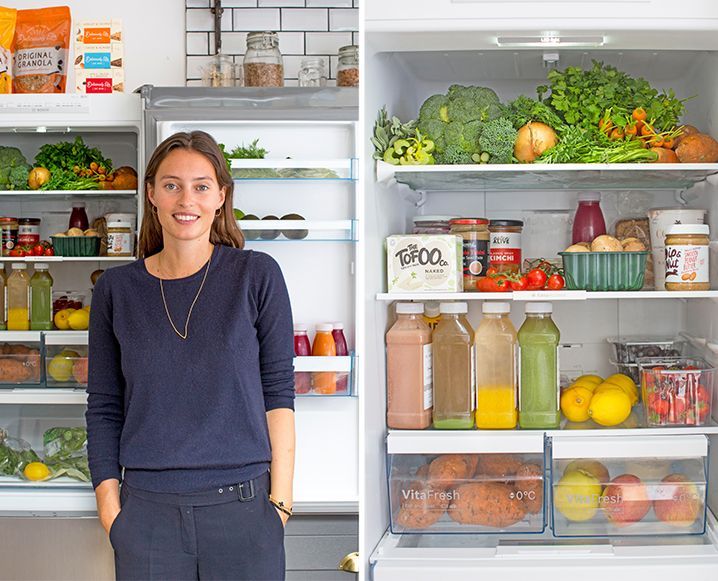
[263,65]
[348,68]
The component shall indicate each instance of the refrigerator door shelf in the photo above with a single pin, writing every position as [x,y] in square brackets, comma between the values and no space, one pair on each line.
[30,501]
[316,376]
[293,169]
[499,177]
[298,230]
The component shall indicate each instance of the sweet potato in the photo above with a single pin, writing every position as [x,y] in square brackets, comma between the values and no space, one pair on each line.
[665,155]
[697,148]
[686,131]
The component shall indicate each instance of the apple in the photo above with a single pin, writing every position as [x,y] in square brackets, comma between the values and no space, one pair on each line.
[625,500]
[678,501]
[79,370]
[593,467]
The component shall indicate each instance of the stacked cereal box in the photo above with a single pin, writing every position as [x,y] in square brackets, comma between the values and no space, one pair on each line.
[98,57]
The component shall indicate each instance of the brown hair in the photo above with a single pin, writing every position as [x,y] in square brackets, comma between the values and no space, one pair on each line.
[224,228]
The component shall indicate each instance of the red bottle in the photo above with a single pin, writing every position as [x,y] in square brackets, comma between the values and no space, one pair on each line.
[342,350]
[302,348]
[78,218]
[588,222]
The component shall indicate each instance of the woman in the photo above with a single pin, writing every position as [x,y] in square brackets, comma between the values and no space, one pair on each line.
[191,385]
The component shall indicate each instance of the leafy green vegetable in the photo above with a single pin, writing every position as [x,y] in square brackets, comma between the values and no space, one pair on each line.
[524,109]
[497,139]
[62,179]
[453,155]
[68,155]
[61,443]
[15,454]
[14,169]
[75,467]
[387,131]
[589,145]
[251,152]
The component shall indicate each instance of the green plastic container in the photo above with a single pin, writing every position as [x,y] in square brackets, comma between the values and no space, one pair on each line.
[76,245]
[604,271]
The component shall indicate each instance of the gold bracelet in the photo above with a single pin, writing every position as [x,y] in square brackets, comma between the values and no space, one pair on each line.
[279,505]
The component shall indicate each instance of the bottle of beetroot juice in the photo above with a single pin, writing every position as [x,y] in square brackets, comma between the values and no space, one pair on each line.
[302,348]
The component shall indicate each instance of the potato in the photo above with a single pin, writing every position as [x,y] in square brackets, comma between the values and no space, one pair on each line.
[633,245]
[698,148]
[75,232]
[91,232]
[578,248]
[606,243]
[124,181]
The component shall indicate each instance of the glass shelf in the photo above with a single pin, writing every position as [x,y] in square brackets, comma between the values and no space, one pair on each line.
[668,176]
[298,230]
[293,169]
[44,195]
[67,258]
[324,376]
[562,295]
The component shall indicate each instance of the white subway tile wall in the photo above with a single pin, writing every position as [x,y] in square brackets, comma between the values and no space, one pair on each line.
[306,27]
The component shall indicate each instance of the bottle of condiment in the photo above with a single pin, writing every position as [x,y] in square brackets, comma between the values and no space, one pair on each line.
[9,229]
[475,235]
[263,64]
[28,231]
[348,66]
[408,369]
[496,346]
[505,245]
[342,351]
[432,314]
[453,369]
[3,324]
[688,257]
[324,382]
[312,73]
[119,239]
[432,224]
[539,381]
[588,222]
[302,348]
[41,298]
[78,218]
[18,298]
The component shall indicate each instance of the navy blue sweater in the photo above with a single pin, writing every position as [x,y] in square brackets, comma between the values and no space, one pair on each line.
[188,415]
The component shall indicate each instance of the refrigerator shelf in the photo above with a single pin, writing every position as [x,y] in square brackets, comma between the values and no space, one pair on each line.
[309,370]
[457,178]
[299,230]
[43,195]
[294,169]
[32,259]
[61,482]
[562,295]
[43,396]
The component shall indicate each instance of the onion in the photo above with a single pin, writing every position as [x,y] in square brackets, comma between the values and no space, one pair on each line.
[532,140]
[38,177]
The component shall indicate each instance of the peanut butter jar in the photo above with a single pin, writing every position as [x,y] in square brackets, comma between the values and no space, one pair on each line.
[688,257]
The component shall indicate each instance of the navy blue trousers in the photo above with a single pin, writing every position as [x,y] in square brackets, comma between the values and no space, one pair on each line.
[231,533]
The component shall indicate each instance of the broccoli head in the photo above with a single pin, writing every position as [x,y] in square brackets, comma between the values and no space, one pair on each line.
[14,169]
[17,178]
[497,139]
[464,135]
[434,109]
[453,155]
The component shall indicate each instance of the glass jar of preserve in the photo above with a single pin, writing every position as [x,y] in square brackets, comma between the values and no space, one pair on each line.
[9,229]
[312,73]
[263,64]
[505,245]
[688,257]
[432,224]
[348,67]
[475,235]
[28,231]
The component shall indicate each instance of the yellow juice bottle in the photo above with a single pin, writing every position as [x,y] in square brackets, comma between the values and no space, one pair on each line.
[18,298]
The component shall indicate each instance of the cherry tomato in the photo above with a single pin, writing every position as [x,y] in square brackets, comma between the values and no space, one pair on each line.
[38,250]
[17,252]
[49,251]
[484,285]
[502,284]
[520,284]
[491,271]
[536,278]
[555,282]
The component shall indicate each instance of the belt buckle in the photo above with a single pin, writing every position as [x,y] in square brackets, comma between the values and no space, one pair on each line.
[240,491]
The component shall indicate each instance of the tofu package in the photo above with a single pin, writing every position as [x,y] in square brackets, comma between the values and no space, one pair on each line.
[424,263]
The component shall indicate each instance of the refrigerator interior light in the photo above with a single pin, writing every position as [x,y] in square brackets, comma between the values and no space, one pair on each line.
[548,40]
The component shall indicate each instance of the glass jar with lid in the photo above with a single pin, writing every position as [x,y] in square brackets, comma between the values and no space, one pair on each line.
[432,224]
[688,257]
[220,72]
[263,64]
[313,73]
[475,235]
[119,239]
[505,245]
[348,67]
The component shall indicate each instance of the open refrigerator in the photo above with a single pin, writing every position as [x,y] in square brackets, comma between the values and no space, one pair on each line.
[414,50]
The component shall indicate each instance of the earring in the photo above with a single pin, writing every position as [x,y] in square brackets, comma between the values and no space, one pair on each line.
[154,209]
[218,213]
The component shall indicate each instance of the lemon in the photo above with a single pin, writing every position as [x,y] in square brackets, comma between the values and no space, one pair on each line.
[622,380]
[631,392]
[79,320]
[576,495]
[574,403]
[586,384]
[590,379]
[609,407]
[36,471]
[61,319]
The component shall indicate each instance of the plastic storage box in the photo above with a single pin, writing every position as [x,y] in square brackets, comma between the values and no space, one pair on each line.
[627,350]
[20,364]
[676,391]
[465,492]
[76,245]
[604,271]
[611,486]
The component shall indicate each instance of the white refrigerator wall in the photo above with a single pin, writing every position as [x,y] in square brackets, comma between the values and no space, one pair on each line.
[400,75]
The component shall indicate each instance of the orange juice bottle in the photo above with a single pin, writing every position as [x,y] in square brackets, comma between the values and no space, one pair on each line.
[496,348]
[324,382]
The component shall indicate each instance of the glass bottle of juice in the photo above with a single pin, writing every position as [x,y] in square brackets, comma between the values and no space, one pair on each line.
[431,314]
[18,298]
[41,298]
[324,382]
[496,348]
[3,325]
[539,382]
[408,369]
[453,366]
[588,222]
[78,217]
[342,351]
[302,348]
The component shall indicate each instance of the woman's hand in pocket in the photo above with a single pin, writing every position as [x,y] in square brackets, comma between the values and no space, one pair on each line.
[107,495]
[282,516]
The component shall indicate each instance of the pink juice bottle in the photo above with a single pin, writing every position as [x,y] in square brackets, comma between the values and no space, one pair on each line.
[302,348]
[588,222]
[342,351]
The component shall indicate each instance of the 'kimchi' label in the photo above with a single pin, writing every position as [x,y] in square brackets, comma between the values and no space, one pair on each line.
[40,61]
[505,248]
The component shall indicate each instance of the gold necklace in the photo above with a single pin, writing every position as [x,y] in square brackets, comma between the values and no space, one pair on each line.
[189,314]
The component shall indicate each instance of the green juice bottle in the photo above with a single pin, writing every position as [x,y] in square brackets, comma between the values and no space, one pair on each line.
[41,298]
[539,371]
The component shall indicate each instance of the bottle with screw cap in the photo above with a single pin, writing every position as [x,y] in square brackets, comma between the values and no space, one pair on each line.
[302,348]
[41,298]
[496,346]
[431,314]
[453,368]
[408,369]
[324,382]
[18,298]
[539,369]
[342,351]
